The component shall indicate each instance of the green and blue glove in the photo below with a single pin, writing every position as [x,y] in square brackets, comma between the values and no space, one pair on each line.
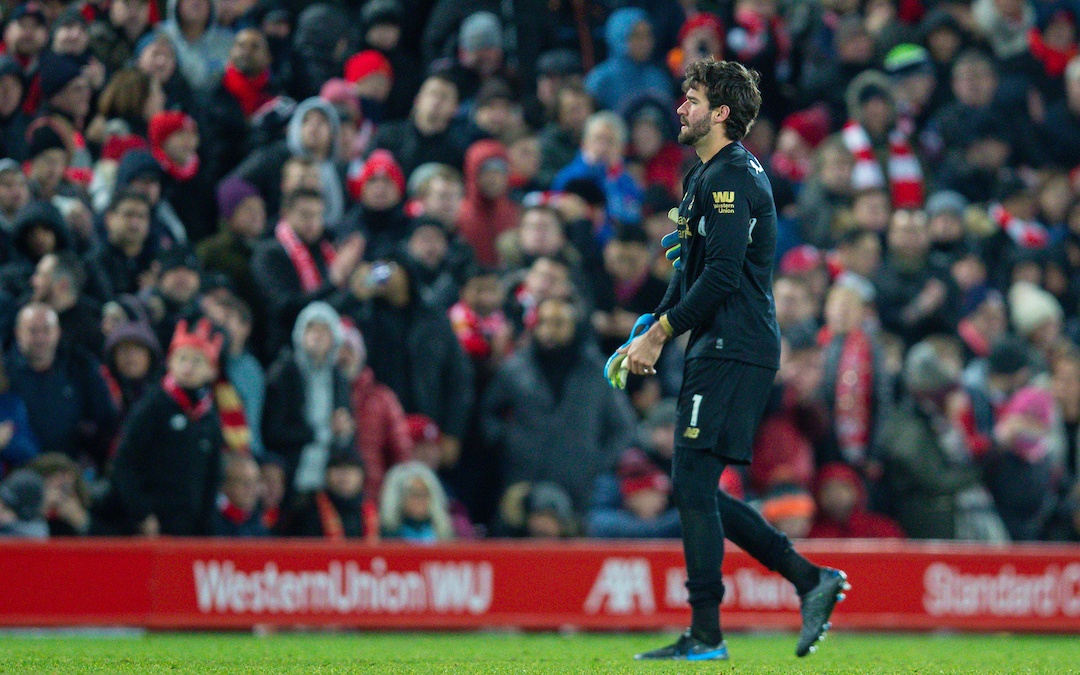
[671,242]
[616,370]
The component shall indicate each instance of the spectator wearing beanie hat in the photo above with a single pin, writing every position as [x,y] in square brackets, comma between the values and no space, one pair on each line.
[1036,315]
[13,121]
[634,503]
[378,186]
[372,78]
[65,90]
[242,213]
[49,157]
[26,35]
[800,134]
[914,81]
[132,357]
[168,464]
[174,143]
[701,35]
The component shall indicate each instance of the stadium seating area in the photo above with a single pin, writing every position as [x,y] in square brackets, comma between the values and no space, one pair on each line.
[352,270]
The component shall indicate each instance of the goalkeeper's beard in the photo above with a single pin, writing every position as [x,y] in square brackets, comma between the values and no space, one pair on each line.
[693,133]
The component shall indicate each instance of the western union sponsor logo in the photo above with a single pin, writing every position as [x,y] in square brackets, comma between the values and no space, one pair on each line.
[726,197]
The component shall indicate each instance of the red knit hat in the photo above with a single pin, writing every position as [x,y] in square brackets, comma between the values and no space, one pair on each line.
[167,123]
[379,163]
[202,339]
[367,62]
[637,472]
[812,125]
[422,429]
[801,259]
[702,20]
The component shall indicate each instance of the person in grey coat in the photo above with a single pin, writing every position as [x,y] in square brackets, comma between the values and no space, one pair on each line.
[551,412]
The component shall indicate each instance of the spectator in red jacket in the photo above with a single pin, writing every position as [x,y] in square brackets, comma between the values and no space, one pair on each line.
[487,211]
[382,433]
[842,511]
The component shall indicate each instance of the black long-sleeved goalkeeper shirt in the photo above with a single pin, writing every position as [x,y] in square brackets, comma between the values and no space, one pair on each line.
[723,293]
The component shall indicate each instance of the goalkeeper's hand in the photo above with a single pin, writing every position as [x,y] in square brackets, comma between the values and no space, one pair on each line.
[671,242]
[615,370]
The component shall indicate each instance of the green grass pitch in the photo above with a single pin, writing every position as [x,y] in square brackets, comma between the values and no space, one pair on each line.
[841,654]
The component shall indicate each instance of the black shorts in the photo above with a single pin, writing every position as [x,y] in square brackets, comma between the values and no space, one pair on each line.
[720,406]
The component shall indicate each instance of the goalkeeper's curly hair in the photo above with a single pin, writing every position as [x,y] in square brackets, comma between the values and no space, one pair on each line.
[728,83]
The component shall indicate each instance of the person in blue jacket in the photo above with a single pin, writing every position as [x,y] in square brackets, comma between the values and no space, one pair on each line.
[628,71]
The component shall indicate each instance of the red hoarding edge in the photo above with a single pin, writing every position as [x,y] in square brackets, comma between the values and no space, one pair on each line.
[216,584]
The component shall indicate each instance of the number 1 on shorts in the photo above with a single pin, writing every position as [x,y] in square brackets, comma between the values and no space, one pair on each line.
[694,411]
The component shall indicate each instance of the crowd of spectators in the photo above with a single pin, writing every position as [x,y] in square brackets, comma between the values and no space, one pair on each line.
[270,267]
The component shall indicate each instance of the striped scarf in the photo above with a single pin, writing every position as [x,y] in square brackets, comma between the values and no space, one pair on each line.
[234,425]
[306,267]
[905,174]
[1025,233]
[855,395]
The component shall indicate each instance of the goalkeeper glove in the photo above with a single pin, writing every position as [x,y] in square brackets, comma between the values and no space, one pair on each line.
[674,248]
[616,370]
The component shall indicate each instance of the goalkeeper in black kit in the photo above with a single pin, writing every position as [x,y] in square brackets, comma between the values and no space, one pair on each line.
[721,293]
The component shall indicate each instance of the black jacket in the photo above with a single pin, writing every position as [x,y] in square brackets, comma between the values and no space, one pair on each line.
[414,352]
[723,293]
[285,431]
[115,272]
[226,131]
[169,465]
[411,148]
[282,295]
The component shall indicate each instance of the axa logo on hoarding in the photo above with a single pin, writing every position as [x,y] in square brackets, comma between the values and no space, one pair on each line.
[623,586]
[1053,592]
[344,588]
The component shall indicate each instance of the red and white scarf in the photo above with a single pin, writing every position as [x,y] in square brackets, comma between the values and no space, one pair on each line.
[306,268]
[855,395]
[177,172]
[1026,233]
[905,174]
[194,410]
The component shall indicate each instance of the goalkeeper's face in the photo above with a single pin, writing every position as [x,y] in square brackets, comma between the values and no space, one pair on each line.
[554,324]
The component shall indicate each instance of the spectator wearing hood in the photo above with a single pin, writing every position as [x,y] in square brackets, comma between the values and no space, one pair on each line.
[413,506]
[39,230]
[22,496]
[379,191]
[312,134]
[549,411]
[113,37]
[1024,476]
[71,37]
[842,511]
[430,134]
[307,414]
[382,430]
[244,86]
[132,357]
[419,357]
[320,45]
[68,403]
[883,151]
[13,121]
[168,464]
[487,211]
[299,265]
[634,503]
[628,70]
[1004,25]
[122,261]
[186,185]
[202,46]
[381,22]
